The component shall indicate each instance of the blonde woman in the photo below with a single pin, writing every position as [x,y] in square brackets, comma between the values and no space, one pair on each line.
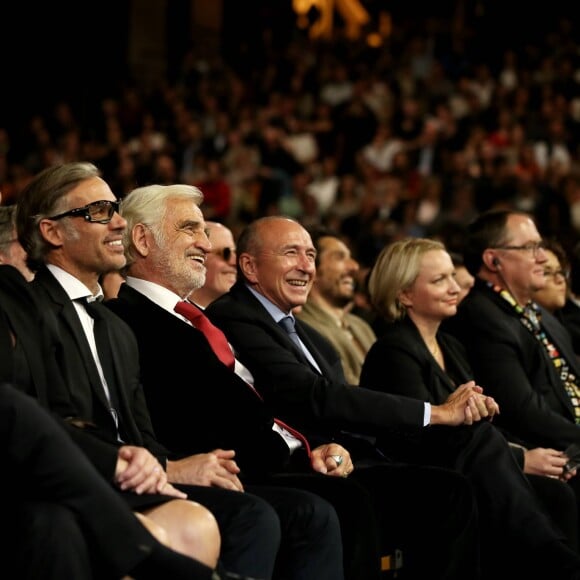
[413,286]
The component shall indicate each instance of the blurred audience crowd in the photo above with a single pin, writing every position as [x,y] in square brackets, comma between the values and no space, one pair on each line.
[415,137]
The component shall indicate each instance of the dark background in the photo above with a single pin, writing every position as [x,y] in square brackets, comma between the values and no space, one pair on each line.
[78,51]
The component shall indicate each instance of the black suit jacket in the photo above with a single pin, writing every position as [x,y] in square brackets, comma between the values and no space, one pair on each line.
[513,367]
[85,396]
[412,369]
[569,316]
[197,403]
[32,365]
[296,392]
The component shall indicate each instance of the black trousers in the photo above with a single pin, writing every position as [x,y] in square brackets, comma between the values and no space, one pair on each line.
[311,546]
[428,513]
[516,531]
[66,520]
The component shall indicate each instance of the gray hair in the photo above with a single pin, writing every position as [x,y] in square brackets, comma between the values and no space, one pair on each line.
[43,197]
[148,205]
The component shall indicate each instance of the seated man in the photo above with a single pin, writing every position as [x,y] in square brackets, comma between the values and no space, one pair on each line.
[521,352]
[301,379]
[330,300]
[220,264]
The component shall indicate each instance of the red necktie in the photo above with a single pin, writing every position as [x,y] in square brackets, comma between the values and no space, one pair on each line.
[220,346]
[214,335]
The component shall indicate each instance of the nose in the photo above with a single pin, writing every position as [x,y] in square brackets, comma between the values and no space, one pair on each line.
[118,221]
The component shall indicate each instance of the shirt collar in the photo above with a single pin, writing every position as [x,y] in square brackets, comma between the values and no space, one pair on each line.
[272,309]
[74,288]
[163,297]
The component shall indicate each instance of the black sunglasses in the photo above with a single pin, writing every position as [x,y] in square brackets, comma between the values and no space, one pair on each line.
[100,212]
[225,253]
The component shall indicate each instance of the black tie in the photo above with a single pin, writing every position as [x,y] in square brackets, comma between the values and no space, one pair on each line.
[95,310]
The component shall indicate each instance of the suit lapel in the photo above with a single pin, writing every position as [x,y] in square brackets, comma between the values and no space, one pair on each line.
[65,311]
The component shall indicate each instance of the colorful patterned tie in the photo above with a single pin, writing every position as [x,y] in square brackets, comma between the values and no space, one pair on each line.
[213,334]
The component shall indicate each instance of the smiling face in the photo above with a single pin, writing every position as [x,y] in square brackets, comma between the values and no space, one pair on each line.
[220,264]
[282,266]
[335,275]
[434,294]
[177,259]
[553,295]
[86,249]
[519,270]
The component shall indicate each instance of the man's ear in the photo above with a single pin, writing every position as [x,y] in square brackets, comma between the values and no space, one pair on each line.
[141,239]
[52,232]
[248,267]
[491,261]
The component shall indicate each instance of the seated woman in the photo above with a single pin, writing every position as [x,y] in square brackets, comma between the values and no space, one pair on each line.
[556,295]
[413,287]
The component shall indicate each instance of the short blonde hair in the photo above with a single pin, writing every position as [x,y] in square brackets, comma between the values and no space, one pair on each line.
[396,269]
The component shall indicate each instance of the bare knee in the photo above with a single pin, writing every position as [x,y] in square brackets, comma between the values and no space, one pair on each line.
[192,529]
[156,530]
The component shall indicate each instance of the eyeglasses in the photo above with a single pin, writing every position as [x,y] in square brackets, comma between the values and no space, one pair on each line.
[561,275]
[99,212]
[225,253]
[531,247]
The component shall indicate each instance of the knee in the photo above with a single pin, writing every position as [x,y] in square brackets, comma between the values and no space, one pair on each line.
[200,527]
[155,529]
[320,517]
[263,518]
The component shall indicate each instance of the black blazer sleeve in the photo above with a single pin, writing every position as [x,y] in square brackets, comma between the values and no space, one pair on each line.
[513,367]
[294,390]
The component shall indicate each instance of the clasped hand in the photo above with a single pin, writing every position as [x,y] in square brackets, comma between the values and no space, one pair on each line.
[323,460]
[468,405]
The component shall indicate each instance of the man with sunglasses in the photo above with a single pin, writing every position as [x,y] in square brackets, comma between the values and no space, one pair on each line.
[220,264]
[67,221]
[521,354]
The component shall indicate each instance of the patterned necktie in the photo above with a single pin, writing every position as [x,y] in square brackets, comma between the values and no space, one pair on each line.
[213,334]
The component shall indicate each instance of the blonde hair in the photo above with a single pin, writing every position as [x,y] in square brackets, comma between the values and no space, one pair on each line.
[396,269]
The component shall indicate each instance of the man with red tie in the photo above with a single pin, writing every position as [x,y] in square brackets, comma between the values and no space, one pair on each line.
[201,397]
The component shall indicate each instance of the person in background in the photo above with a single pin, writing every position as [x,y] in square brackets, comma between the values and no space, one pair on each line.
[67,221]
[556,296]
[301,379]
[464,279]
[220,264]
[329,303]
[11,252]
[413,285]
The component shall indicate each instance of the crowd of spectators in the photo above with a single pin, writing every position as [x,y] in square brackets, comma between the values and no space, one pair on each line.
[414,137]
